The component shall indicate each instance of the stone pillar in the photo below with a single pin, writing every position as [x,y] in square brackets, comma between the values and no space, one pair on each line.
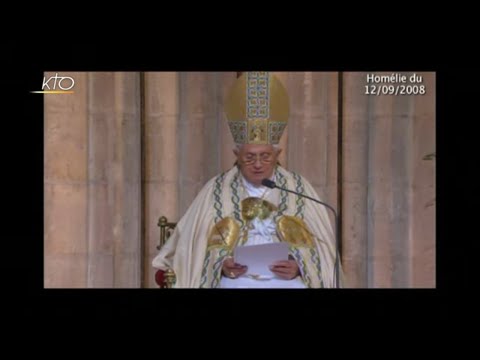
[283,158]
[65,186]
[225,139]
[389,186]
[355,180]
[423,185]
[312,130]
[113,244]
[198,127]
[161,158]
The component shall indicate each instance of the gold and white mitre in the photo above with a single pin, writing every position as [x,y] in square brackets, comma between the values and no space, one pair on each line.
[257,109]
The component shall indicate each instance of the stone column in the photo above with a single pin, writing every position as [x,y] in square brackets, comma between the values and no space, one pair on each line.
[161,158]
[389,186]
[198,127]
[65,186]
[423,185]
[225,139]
[113,244]
[312,130]
[355,180]
[283,158]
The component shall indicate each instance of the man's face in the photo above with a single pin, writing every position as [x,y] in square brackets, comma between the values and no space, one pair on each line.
[257,162]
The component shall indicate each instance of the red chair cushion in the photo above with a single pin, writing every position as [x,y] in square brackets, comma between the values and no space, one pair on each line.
[160,278]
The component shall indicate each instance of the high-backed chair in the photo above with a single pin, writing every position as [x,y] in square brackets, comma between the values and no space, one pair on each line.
[165,279]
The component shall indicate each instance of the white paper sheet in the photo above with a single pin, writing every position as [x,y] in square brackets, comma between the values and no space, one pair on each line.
[259,257]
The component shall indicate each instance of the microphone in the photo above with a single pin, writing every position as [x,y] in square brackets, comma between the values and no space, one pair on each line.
[271,184]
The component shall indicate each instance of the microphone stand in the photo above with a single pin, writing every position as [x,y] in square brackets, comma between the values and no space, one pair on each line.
[337,226]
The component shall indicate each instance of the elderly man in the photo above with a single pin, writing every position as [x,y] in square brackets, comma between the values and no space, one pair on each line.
[234,209]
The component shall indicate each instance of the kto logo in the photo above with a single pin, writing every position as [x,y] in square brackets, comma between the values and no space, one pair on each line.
[57,85]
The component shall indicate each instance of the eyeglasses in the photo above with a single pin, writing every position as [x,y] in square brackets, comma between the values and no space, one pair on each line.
[250,159]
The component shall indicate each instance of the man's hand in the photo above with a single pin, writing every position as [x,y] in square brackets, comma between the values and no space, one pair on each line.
[285,269]
[233,270]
